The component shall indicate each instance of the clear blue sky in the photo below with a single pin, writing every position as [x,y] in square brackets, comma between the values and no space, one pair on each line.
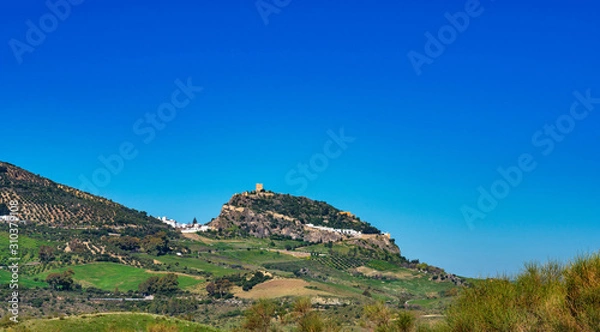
[422,146]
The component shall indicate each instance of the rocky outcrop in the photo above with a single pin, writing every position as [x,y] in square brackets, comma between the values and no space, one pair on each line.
[265,213]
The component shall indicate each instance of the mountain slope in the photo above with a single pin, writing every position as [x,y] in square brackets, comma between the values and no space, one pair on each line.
[264,214]
[43,201]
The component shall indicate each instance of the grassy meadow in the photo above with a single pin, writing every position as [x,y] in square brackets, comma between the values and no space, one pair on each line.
[108,276]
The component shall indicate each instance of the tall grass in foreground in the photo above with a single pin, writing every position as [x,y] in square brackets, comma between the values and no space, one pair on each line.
[546,297]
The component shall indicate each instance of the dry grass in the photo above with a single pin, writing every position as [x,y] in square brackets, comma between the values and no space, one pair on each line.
[369,272]
[543,298]
[278,288]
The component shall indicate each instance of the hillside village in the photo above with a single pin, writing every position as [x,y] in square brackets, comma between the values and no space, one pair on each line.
[259,190]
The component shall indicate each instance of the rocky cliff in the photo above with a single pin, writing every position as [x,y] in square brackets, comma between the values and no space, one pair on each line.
[263,214]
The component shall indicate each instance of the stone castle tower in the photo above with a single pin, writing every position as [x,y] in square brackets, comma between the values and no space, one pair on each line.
[259,187]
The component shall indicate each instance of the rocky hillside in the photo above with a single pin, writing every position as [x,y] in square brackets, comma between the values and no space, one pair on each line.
[264,214]
[43,201]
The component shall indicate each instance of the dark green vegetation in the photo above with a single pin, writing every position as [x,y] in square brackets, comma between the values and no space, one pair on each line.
[61,281]
[305,210]
[166,285]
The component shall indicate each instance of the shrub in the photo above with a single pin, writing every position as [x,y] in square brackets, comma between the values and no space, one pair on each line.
[542,298]
[405,321]
[259,316]
[582,283]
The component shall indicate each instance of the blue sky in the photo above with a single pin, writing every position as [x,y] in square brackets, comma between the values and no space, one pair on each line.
[274,95]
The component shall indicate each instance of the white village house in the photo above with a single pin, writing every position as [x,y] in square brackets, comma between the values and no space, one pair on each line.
[350,232]
[184,228]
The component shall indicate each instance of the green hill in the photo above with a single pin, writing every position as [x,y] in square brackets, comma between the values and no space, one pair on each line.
[43,201]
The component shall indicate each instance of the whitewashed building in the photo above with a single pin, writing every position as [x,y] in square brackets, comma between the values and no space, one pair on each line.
[349,232]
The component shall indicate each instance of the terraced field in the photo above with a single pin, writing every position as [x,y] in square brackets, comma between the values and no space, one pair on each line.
[339,262]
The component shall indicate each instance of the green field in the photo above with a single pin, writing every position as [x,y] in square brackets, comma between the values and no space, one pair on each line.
[24,281]
[113,322]
[253,257]
[108,276]
[27,250]
[192,263]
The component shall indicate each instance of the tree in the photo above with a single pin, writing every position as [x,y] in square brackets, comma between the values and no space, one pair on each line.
[211,288]
[195,222]
[148,286]
[77,246]
[160,285]
[61,281]
[46,254]
[127,242]
[256,279]
[167,284]
[223,286]
[156,244]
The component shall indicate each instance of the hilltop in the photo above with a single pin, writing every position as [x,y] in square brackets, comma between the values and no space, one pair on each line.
[264,214]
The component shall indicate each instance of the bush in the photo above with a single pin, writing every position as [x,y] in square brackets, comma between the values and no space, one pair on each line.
[405,321]
[259,316]
[582,283]
[542,298]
